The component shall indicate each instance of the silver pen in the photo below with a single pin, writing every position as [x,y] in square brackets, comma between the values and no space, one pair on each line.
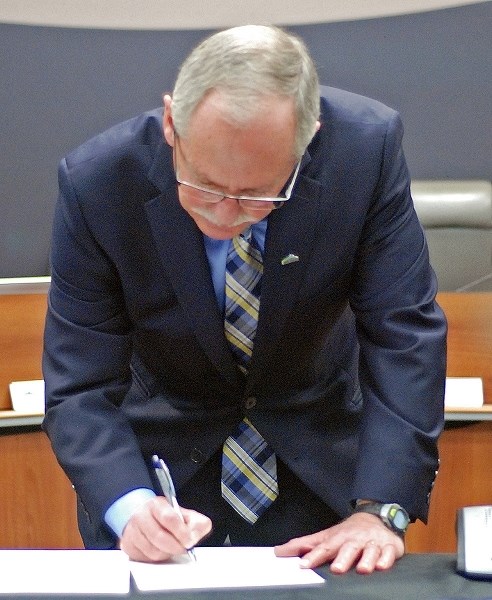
[167,486]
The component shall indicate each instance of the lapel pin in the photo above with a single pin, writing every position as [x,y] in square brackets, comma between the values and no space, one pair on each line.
[290,258]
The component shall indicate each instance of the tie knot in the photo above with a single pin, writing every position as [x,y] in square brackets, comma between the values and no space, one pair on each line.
[244,270]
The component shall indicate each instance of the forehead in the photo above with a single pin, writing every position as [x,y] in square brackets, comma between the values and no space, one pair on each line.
[217,147]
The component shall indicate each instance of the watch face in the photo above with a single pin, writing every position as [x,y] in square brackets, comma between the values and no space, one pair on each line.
[393,515]
[400,520]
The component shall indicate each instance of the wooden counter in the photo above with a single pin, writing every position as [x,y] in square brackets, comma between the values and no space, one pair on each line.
[465,475]
[21,331]
[37,499]
[469,336]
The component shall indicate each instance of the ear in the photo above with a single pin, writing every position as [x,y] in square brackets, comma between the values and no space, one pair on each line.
[318,125]
[167,120]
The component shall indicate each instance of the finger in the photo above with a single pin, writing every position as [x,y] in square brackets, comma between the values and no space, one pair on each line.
[346,557]
[371,553]
[387,558]
[295,547]
[166,541]
[199,526]
[150,533]
[187,527]
[139,547]
[172,523]
[142,552]
[318,556]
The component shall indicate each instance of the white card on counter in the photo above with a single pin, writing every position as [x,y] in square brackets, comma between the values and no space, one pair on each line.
[223,567]
[463,392]
[64,572]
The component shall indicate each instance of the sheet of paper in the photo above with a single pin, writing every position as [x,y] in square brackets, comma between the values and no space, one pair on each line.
[224,567]
[64,572]
[463,392]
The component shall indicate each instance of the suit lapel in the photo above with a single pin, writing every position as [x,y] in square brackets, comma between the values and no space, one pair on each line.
[181,249]
[290,235]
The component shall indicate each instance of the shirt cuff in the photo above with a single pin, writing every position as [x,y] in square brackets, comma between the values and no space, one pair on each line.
[119,513]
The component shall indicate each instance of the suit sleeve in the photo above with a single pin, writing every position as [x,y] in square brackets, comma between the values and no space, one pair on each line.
[87,350]
[402,333]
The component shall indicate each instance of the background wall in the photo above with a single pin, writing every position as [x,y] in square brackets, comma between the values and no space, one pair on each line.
[61,84]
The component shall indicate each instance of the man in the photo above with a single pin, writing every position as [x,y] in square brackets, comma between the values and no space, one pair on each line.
[330,360]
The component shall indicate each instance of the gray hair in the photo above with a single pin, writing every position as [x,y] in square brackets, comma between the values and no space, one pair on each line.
[245,64]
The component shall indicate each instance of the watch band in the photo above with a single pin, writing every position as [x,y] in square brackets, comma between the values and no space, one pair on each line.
[394,516]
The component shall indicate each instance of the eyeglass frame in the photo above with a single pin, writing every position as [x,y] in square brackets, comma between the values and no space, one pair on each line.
[277,201]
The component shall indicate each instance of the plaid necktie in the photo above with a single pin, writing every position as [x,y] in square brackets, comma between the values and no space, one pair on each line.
[249,466]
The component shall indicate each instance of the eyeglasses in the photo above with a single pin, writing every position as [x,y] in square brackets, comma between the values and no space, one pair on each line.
[203,194]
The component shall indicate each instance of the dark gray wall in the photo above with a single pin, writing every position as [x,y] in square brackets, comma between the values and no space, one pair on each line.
[60,86]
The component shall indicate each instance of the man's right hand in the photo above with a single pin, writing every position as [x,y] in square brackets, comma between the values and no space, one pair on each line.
[155,532]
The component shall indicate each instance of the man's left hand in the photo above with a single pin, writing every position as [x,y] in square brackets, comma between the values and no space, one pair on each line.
[362,540]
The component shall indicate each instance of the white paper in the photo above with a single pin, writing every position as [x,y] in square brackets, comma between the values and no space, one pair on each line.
[27,396]
[463,392]
[64,572]
[224,567]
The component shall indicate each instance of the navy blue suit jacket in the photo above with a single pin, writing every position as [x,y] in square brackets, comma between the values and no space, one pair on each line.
[347,376]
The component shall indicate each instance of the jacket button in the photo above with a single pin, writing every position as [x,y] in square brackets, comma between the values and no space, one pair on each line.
[250,402]
[196,455]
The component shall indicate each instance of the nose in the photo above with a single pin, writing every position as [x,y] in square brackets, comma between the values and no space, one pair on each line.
[227,208]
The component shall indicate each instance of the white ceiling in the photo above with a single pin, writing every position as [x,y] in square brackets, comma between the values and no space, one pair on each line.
[203,14]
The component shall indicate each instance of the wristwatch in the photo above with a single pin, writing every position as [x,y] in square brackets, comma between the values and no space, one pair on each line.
[394,516]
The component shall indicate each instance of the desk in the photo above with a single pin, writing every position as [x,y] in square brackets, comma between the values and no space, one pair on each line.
[414,577]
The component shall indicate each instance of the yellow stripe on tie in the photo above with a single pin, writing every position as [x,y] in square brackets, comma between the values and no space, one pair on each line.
[239,506]
[247,466]
[245,345]
[248,258]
